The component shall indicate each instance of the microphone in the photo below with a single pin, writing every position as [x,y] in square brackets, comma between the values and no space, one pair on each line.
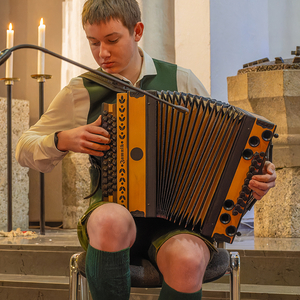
[118,84]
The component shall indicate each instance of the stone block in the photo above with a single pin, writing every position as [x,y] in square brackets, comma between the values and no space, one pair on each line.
[278,213]
[20,179]
[273,92]
[274,95]
[75,186]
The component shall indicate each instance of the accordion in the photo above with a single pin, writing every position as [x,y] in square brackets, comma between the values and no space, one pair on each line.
[189,168]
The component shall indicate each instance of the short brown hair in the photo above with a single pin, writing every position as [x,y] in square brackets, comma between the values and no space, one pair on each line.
[127,11]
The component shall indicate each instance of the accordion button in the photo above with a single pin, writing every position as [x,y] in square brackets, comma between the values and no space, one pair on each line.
[110,191]
[114,187]
[104,125]
[254,163]
[238,208]
[246,190]
[242,194]
[246,181]
[262,154]
[251,169]
[235,212]
[104,180]
[256,155]
[241,202]
[105,112]
[249,175]
[104,193]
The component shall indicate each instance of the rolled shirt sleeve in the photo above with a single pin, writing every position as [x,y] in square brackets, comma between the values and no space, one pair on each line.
[69,109]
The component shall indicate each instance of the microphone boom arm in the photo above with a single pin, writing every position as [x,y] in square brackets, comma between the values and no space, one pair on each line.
[117,83]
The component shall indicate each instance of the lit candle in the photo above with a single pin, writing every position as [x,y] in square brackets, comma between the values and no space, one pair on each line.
[41,43]
[9,44]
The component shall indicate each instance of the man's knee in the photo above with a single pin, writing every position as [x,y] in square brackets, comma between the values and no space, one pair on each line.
[111,228]
[183,256]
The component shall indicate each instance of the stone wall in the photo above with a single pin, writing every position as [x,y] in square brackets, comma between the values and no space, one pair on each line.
[20,180]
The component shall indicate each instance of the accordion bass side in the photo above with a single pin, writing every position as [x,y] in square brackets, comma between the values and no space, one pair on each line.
[192,169]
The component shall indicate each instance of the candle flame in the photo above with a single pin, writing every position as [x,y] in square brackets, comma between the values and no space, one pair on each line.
[42,22]
[10,26]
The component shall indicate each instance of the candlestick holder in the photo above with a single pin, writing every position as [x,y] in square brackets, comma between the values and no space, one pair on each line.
[9,82]
[41,78]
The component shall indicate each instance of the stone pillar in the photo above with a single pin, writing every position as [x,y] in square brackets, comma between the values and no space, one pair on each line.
[20,179]
[273,91]
[75,186]
[159,34]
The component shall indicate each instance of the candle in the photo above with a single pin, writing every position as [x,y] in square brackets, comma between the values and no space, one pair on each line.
[9,44]
[41,43]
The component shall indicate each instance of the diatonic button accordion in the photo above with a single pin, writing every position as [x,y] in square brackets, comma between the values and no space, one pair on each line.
[192,169]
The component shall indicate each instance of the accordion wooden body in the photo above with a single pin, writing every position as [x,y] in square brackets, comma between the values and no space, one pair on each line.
[192,169]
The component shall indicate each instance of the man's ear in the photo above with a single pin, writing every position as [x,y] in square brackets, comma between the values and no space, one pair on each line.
[138,31]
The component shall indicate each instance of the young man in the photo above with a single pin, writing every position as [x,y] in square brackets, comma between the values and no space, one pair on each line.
[73,123]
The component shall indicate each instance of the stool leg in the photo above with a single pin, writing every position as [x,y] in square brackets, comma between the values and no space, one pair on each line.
[73,283]
[84,289]
[235,276]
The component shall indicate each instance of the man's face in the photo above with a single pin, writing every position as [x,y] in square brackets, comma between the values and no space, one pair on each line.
[113,48]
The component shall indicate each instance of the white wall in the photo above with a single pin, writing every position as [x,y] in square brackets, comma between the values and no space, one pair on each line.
[284,27]
[239,34]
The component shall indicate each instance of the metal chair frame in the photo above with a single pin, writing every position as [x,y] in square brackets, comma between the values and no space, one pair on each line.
[79,287]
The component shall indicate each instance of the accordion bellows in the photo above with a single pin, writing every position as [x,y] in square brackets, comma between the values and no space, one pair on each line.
[192,169]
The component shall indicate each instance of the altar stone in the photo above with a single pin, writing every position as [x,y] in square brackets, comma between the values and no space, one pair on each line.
[20,179]
[272,90]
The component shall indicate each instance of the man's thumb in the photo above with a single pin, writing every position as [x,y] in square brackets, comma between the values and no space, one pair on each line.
[98,122]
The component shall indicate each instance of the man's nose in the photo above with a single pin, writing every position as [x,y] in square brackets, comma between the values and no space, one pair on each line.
[103,52]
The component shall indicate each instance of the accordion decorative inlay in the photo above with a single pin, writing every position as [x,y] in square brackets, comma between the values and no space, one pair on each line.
[192,169]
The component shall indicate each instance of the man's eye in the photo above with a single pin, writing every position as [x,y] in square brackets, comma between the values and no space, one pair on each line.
[113,41]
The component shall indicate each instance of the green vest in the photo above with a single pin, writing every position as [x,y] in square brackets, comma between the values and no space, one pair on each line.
[165,79]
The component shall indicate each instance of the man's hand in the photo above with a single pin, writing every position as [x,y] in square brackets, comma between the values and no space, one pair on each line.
[85,139]
[260,184]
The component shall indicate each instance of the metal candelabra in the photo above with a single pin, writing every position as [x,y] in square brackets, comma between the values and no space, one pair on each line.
[41,78]
[9,82]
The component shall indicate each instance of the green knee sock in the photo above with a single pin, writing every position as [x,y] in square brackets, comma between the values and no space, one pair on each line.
[167,293]
[108,274]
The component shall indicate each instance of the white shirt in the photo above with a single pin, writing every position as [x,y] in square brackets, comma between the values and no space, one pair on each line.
[70,108]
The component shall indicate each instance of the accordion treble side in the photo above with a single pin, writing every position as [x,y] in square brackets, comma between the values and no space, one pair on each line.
[192,169]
